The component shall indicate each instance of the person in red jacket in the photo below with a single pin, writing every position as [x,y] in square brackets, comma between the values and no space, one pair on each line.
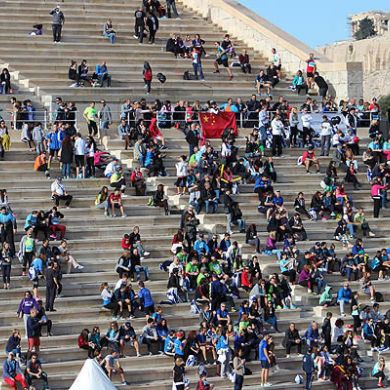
[203,383]
[126,242]
[309,159]
[246,279]
[148,76]
[155,132]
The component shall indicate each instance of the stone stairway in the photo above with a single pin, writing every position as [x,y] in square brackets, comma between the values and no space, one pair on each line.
[42,67]
[95,242]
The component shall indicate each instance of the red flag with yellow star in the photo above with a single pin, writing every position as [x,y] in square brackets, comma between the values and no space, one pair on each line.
[213,125]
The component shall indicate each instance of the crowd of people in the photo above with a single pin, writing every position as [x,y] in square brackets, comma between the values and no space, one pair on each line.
[240,303]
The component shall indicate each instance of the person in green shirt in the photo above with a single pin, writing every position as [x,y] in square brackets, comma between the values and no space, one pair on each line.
[91,116]
[360,219]
[192,270]
[215,266]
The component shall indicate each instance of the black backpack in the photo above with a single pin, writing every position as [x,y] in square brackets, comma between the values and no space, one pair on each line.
[161,78]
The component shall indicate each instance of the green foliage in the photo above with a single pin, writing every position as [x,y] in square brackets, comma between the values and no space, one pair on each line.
[384,103]
[366,29]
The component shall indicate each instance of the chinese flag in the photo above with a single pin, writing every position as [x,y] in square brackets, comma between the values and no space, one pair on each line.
[213,125]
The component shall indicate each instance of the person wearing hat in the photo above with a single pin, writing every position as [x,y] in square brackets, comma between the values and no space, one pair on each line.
[309,159]
[12,373]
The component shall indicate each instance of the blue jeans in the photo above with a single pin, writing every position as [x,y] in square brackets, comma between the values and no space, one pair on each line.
[110,36]
[66,169]
[207,204]
[141,268]
[351,229]
[198,70]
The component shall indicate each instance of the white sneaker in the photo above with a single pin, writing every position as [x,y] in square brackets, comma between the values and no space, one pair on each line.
[80,267]
[267,384]
[146,253]
[288,356]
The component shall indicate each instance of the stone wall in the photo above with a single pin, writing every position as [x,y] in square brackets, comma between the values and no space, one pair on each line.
[262,35]
[374,54]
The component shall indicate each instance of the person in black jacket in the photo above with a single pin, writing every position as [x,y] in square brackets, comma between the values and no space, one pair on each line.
[192,137]
[139,26]
[178,374]
[322,86]
[33,332]
[160,200]
[5,81]
[292,339]
[326,329]
[152,24]
[51,286]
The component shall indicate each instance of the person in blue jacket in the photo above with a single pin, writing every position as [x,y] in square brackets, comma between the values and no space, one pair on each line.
[344,296]
[368,332]
[102,73]
[12,373]
[308,368]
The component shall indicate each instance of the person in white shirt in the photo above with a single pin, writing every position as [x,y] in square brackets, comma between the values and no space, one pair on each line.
[58,193]
[276,61]
[111,168]
[277,128]
[79,155]
[181,173]
[325,134]
[306,126]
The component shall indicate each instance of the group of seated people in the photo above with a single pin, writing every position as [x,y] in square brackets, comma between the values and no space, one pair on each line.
[81,76]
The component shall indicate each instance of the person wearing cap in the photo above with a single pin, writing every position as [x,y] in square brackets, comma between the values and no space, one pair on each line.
[127,335]
[12,373]
[309,159]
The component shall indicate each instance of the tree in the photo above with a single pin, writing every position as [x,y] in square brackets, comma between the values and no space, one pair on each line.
[384,104]
[366,29]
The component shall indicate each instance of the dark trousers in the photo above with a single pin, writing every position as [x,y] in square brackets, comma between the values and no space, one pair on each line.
[57,28]
[238,382]
[148,84]
[92,128]
[114,307]
[152,35]
[139,32]
[309,380]
[293,135]
[377,206]
[66,198]
[51,292]
[276,145]
[43,376]
[6,271]
[27,260]
[290,344]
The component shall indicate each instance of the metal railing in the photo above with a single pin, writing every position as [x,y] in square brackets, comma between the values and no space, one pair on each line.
[47,117]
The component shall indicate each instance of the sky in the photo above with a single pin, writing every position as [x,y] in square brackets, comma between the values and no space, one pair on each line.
[314,23]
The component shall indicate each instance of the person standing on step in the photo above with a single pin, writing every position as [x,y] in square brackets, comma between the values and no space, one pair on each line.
[139,26]
[90,115]
[171,8]
[57,23]
[152,24]
[197,64]
[148,76]
[105,118]
[79,156]
[222,59]
[8,220]
[308,368]
[51,286]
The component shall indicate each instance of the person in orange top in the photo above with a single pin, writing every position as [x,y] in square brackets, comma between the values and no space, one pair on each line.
[309,159]
[40,164]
